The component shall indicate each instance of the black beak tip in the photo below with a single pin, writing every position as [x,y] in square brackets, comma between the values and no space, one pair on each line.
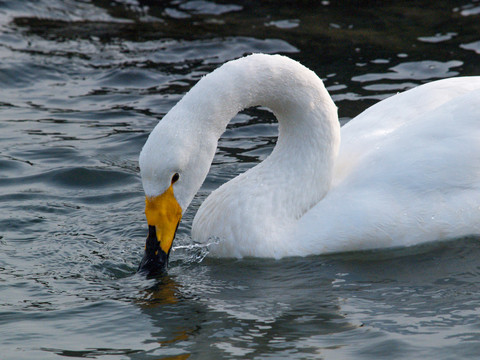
[153,264]
[155,260]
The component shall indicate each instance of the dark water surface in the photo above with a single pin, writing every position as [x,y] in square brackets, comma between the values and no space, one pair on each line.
[82,84]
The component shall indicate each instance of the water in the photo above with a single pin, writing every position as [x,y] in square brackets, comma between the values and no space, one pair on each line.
[84,82]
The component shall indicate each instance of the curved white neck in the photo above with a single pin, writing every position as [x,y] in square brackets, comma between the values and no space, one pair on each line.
[298,173]
[294,93]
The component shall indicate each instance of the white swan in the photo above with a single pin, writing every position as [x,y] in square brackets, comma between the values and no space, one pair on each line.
[407,170]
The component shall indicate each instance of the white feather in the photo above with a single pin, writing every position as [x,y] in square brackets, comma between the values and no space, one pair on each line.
[407,171]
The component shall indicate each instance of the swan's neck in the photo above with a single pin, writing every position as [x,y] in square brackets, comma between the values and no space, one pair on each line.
[295,95]
[298,173]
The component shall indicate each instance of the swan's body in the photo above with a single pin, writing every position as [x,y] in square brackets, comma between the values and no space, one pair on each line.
[407,170]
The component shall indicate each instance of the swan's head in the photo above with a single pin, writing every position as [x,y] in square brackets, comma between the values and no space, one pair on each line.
[173,165]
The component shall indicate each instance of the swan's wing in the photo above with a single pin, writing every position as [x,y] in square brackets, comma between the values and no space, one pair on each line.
[404,176]
[387,115]
[362,134]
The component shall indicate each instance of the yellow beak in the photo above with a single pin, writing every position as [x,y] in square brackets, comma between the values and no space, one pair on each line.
[163,216]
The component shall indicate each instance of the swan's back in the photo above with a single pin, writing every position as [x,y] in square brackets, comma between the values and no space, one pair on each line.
[408,172]
[389,114]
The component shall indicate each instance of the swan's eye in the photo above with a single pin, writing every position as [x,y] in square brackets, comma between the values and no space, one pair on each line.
[175,178]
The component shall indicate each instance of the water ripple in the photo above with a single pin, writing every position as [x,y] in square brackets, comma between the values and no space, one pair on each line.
[83,84]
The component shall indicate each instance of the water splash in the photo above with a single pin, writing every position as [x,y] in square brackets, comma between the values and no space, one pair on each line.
[194,252]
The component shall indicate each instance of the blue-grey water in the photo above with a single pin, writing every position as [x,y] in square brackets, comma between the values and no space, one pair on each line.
[82,84]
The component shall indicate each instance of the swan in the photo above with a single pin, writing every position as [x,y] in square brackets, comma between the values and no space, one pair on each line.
[407,170]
